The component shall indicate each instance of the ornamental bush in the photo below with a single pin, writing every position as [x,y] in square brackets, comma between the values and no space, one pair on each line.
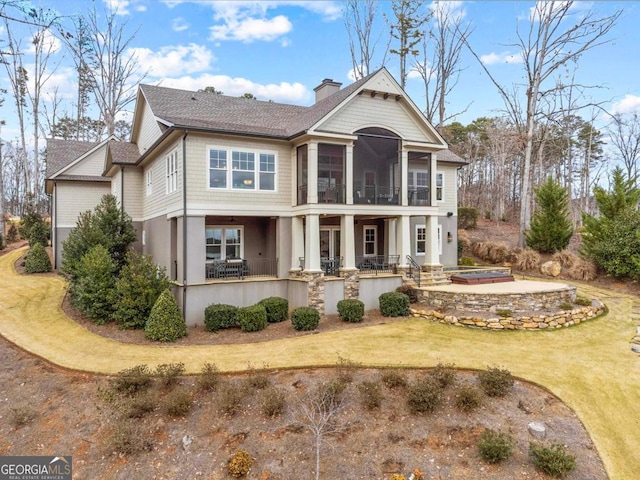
[93,292]
[351,310]
[394,304]
[552,459]
[277,308]
[140,284]
[467,217]
[253,318]
[240,464]
[305,318]
[37,260]
[1,242]
[218,316]
[495,446]
[165,323]
[39,233]
[496,382]
[424,396]
[13,234]
[409,291]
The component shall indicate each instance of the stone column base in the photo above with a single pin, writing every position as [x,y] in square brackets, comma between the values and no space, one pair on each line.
[315,281]
[351,283]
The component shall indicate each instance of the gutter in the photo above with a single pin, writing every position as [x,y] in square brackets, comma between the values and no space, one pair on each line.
[184,223]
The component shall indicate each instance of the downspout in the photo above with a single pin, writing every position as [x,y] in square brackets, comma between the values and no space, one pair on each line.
[122,188]
[184,224]
[54,226]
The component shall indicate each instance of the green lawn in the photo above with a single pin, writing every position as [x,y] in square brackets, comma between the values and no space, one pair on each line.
[590,366]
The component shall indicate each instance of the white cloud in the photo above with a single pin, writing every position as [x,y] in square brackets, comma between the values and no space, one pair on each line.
[284,92]
[504,57]
[179,24]
[249,29]
[451,10]
[50,43]
[174,60]
[121,7]
[629,104]
[547,7]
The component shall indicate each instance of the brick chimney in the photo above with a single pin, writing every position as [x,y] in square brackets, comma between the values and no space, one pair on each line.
[326,88]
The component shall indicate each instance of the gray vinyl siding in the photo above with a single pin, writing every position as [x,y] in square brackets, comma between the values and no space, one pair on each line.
[149,129]
[159,202]
[74,198]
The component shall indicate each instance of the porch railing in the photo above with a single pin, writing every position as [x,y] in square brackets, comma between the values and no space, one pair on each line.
[376,194]
[414,270]
[241,268]
[419,196]
[329,265]
[378,264]
[326,194]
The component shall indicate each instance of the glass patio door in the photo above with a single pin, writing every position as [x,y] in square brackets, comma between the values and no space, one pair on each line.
[329,242]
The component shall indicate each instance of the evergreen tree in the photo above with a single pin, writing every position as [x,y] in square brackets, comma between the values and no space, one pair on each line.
[140,284]
[165,323]
[37,260]
[94,292]
[551,228]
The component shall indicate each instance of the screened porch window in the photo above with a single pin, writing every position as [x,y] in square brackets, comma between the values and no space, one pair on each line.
[223,243]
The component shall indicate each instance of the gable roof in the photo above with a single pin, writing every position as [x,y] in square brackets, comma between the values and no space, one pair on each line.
[61,153]
[450,157]
[123,153]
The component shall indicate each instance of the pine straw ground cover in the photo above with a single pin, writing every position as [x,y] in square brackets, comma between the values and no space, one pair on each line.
[589,367]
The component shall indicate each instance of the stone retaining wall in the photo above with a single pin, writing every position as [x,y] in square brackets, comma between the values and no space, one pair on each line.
[491,302]
[564,318]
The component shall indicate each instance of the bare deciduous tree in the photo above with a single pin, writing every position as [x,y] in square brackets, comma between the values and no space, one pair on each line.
[359,19]
[557,35]
[407,29]
[624,131]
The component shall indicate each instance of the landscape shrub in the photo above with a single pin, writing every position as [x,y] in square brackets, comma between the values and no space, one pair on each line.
[495,382]
[345,369]
[370,395]
[137,289]
[409,291]
[551,229]
[397,476]
[444,374]
[165,323]
[504,313]
[21,415]
[351,310]
[37,260]
[229,396]
[219,316]
[258,378]
[239,464]
[94,291]
[253,318]
[39,233]
[169,373]
[140,405]
[277,308]
[177,403]
[583,301]
[467,217]
[497,252]
[495,447]
[394,304]
[305,318]
[552,459]
[424,395]
[466,262]
[468,398]
[272,401]
[527,259]
[12,234]
[209,376]
[480,250]
[128,438]
[132,380]
[584,270]
[394,378]
[566,258]
[464,243]
[566,306]
[1,242]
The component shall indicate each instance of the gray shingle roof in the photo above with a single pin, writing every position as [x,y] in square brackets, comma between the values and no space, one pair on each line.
[239,115]
[449,156]
[124,152]
[61,153]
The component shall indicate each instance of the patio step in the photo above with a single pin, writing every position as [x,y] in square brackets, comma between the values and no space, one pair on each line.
[427,279]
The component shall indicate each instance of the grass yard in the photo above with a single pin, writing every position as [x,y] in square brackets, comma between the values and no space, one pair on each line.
[589,366]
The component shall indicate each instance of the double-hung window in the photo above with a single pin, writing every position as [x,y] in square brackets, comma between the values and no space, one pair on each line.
[224,243]
[370,240]
[242,169]
[149,182]
[172,172]
[439,186]
[421,240]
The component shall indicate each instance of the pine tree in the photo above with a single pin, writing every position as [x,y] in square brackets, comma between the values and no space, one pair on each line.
[551,228]
[95,288]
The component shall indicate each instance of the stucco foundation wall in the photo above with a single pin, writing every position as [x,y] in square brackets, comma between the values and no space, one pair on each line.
[60,236]
[333,293]
[372,287]
[157,233]
[298,293]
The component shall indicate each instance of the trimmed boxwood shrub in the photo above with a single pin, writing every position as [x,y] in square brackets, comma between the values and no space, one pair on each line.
[495,382]
[253,318]
[424,396]
[218,316]
[351,310]
[165,322]
[394,304]
[37,260]
[305,318]
[277,308]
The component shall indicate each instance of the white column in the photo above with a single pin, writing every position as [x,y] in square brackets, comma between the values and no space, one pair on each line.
[404,174]
[434,169]
[312,173]
[297,242]
[312,243]
[347,242]
[432,257]
[393,245]
[404,238]
[348,178]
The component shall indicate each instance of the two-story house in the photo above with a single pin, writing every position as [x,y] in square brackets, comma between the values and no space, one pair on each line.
[241,199]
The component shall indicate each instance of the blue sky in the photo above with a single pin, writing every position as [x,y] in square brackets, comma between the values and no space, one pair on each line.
[281,50]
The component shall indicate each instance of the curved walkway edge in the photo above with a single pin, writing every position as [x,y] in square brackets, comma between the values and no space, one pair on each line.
[590,366]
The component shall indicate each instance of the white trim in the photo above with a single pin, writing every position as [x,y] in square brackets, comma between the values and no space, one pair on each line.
[441,187]
[415,244]
[171,172]
[364,240]
[149,177]
[223,245]
[229,170]
[440,239]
